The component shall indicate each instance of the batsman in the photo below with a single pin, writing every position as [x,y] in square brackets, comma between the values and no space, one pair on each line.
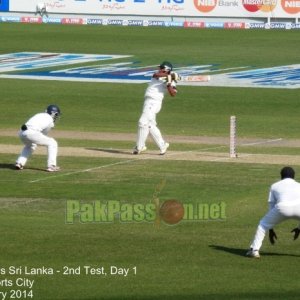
[163,81]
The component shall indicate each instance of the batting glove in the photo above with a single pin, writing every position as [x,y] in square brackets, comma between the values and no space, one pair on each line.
[272,236]
[172,90]
[296,233]
[175,76]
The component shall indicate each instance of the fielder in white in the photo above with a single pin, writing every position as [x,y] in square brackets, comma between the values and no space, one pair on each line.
[284,203]
[163,81]
[34,132]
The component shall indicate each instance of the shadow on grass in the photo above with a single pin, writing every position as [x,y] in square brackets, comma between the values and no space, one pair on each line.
[242,252]
[12,167]
[8,166]
[122,152]
[108,150]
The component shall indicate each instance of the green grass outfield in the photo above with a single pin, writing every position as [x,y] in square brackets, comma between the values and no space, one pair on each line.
[195,259]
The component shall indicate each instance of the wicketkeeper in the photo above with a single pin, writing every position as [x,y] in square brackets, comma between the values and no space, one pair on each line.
[284,203]
[34,132]
[163,81]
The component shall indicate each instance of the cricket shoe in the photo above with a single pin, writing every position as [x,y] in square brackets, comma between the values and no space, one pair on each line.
[252,253]
[137,151]
[53,169]
[164,149]
[19,166]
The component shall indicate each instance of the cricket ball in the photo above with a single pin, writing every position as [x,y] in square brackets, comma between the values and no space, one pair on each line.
[171,212]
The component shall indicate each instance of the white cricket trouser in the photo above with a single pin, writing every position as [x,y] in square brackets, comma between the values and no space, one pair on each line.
[276,215]
[147,124]
[32,138]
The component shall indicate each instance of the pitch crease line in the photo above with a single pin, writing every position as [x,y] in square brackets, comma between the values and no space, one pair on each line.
[225,146]
[86,170]
[109,165]
[263,142]
[137,159]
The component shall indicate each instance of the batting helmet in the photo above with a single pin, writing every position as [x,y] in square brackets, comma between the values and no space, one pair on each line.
[54,111]
[167,66]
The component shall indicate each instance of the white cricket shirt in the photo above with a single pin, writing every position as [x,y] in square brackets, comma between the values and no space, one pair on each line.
[156,90]
[285,192]
[41,122]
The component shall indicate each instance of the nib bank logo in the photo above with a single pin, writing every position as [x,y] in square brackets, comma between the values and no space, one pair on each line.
[205,5]
[291,6]
[262,5]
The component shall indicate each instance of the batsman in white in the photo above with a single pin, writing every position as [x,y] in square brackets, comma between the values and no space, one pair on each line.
[34,132]
[163,81]
[284,203]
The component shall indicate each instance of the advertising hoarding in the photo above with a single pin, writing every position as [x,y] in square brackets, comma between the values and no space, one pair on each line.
[179,8]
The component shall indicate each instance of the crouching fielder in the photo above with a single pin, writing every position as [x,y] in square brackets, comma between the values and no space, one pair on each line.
[34,132]
[284,203]
[163,81]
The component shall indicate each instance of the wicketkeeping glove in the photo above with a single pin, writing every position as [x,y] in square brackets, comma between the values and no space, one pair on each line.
[272,236]
[296,233]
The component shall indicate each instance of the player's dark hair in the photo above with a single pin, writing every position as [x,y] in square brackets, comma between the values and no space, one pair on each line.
[287,172]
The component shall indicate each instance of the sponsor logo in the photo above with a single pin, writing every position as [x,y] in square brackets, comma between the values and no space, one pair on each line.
[114,22]
[255,25]
[55,5]
[174,24]
[194,24]
[72,21]
[259,5]
[52,20]
[209,5]
[227,3]
[172,8]
[278,25]
[132,23]
[31,20]
[155,23]
[214,25]
[205,5]
[94,21]
[277,77]
[234,25]
[135,23]
[113,7]
[10,19]
[291,6]
[35,60]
